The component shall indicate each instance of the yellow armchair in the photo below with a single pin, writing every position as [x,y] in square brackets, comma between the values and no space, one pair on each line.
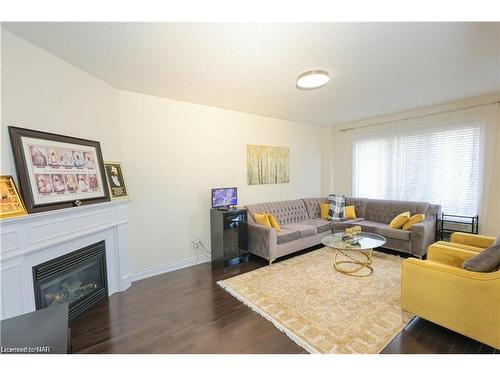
[468,241]
[439,290]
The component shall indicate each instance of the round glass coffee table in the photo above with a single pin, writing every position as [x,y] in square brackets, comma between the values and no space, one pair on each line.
[361,244]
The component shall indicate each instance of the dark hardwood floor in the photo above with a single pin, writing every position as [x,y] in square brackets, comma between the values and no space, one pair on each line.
[185,311]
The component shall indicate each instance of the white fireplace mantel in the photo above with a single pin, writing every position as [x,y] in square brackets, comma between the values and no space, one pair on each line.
[29,240]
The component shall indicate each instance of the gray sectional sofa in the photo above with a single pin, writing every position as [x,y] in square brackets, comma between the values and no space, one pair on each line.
[302,227]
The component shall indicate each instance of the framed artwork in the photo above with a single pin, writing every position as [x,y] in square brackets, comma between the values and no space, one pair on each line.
[10,202]
[267,165]
[56,171]
[116,181]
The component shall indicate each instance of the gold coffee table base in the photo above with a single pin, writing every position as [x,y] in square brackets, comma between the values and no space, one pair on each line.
[364,265]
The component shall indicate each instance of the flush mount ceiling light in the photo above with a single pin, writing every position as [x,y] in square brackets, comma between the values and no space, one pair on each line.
[313,79]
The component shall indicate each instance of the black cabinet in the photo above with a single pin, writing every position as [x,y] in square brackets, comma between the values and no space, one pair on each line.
[228,236]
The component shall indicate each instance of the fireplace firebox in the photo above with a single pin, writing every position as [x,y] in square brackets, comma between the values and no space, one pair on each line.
[78,278]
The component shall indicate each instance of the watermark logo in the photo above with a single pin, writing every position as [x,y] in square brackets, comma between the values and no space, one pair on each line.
[25,349]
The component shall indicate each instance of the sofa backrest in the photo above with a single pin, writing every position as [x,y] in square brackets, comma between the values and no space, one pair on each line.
[383,211]
[432,211]
[359,205]
[379,210]
[312,206]
[313,210]
[286,212]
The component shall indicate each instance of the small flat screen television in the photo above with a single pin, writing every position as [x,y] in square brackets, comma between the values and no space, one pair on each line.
[224,197]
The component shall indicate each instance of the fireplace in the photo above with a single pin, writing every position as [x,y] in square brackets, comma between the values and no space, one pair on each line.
[78,278]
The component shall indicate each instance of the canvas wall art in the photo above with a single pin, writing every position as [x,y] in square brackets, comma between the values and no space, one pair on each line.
[267,165]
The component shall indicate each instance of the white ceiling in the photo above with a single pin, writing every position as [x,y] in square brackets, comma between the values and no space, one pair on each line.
[376,68]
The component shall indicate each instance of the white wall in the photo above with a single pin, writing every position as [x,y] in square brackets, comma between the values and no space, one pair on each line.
[337,158]
[175,152]
[337,173]
[40,91]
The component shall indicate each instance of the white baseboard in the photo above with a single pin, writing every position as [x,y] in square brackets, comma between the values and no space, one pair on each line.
[167,267]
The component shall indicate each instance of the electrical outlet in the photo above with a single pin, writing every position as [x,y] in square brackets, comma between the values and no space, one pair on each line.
[196,242]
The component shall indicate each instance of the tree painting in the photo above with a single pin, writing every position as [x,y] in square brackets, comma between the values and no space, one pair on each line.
[267,164]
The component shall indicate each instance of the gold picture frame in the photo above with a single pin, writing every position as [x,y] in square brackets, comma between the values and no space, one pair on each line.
[11,204]
[116,180]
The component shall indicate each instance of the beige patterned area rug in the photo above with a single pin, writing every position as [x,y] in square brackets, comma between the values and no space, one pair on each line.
[323,310]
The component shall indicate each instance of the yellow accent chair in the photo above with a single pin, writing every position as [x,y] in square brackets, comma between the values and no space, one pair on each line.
[439,290]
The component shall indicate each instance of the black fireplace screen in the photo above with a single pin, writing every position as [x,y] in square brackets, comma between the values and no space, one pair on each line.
[78,278]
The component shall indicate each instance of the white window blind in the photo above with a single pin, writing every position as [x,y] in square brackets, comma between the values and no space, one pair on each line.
[437,160]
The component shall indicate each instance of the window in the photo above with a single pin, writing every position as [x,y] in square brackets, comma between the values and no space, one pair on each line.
[434,162]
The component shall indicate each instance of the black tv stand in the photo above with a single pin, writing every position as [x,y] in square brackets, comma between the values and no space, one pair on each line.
[228,236]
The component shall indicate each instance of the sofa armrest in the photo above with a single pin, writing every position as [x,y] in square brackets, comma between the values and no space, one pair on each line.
[449,255]
[422,235]
[470,239]
[433,268]
[262,241]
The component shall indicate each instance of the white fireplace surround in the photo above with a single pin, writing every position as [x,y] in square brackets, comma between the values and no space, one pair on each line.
[33,239]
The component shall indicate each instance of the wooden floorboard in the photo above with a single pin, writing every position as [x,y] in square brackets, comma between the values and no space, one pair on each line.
[185,311]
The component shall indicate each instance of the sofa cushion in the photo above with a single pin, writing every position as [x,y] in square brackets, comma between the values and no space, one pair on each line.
[370,226]
[398,234]
[305,230]
[384,230]
[487,260]
[320,224]
[341,225]
[287,235]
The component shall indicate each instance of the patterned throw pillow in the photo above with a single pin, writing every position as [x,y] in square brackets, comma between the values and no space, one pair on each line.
[337,204]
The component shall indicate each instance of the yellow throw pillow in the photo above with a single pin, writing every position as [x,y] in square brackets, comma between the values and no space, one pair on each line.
[274,222]
[262,219]
[413,220]
[324,208]
[349,212]
[399,220]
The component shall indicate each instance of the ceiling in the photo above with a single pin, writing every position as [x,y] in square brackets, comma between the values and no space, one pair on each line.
[375,68]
